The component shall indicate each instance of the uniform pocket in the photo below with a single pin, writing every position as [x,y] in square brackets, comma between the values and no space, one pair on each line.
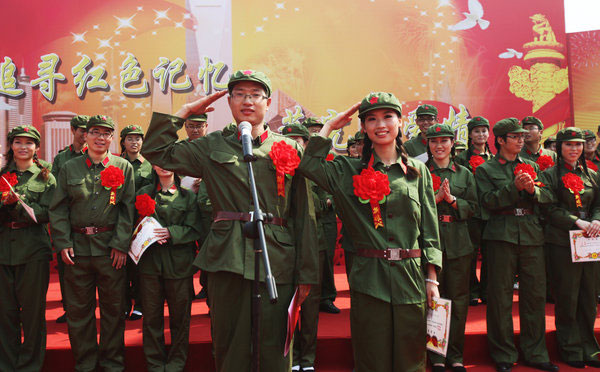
[223,157]
[76,188]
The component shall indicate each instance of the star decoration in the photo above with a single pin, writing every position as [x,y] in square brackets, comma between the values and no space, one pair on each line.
[259,28]
[178,24]
[125,22]
[96,27]
[117,32]
[122,53]
[133,36]
[138,105]
[423,12]
[279,5]
[100,56]
[277,16]
[242,34]
[104,43]
[265,18]
[436,55]
[426,74]
[442,3]
[106,98]
[187,16]
[140,8]
[437,25]
[117,43]
[78,38]
[161,14]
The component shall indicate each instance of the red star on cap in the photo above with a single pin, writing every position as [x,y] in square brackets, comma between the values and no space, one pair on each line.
[573,134]
[478,119]
[289,129]
[438,129]
[26,129]
[248,72]
[373,100]
[103,117]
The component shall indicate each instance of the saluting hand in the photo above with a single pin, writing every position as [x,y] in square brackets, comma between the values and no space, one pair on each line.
[200,106]
[66,255]
[339,121]
[118,258]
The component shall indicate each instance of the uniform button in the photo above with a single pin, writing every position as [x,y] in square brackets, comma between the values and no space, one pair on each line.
[96,193]
[390,215]
[391,239]
[94,208]
[392,264]
[97,178]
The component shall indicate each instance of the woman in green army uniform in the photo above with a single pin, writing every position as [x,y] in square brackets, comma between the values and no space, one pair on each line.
[574,284]
[24,253]
[386,202]
[456,198]
[166,269]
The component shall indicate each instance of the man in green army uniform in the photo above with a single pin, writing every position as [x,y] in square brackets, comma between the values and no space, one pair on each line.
[328,222]
[229,129]
[590,149]
[533,148]
[226,254]
[459,147]
[550,143]
[77,148]
[92,215]
[196,126]
[132,138]
[514,241]
[426,116]
[351,147]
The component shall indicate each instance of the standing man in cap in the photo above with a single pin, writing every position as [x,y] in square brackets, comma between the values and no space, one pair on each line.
[351,148]
[92,215]
[132,139]
[590,149]
[510,194]
[77,148]
[196,126]
[426,116]
[226,254]
[533,148]
[550,143]
[359,137]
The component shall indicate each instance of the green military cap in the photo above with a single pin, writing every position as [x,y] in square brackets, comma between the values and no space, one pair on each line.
[295,130]
[379,100]
[311,122]
[229,129]
[478,121]
[459,145]
[359,136]
[532,120]
[570,134]
[79,121]
[588,134]
[351,141]
[427,110]
[25,131]
[250,75]
[199,117]
[440,130]
[101,121]
[508,125]
[132,129]
[551,139]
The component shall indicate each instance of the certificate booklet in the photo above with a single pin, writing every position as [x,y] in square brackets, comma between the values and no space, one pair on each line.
[584,249]
[143,237]
[438,326]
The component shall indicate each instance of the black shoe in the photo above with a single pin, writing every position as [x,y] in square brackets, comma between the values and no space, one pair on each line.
[593,363]
[504,367]
[576,363]
[483,300]
[474,302]
[201,295]
[136,314]
[438,369]
[328,307]
[459,369]
[543,366]
[62,318]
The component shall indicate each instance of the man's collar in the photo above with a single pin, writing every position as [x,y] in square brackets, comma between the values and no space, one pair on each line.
[171,189]
[89,162]
[260,138]
[376,160]
[502,160]
[450,166]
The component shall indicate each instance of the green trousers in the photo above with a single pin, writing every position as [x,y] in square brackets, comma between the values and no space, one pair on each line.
[575,288]
[81,282]
[23,309]
[478,286]
[454,285]
[133,291]
[60,268]
[305,336]
[504,261]
[178,293]
[328,291]
[387,337]
[230,311]
[348,259]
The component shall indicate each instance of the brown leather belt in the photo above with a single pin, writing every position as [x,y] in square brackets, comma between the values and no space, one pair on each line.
[390,254]
[516,212]
[92,230]
[446,218]
[18,225]
[246,217]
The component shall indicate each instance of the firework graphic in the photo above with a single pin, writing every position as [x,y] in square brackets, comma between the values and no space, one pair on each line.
[585,49]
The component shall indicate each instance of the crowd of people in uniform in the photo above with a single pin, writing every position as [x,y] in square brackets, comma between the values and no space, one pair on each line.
[415,217]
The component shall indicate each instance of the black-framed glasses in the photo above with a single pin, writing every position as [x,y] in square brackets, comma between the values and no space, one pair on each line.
[238,97]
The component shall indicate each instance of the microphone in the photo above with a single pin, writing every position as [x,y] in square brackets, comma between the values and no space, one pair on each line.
[245,130]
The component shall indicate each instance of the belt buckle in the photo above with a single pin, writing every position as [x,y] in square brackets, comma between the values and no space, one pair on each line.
[12,225]
[446,218]
[90,230]
[519,212]
[393,254]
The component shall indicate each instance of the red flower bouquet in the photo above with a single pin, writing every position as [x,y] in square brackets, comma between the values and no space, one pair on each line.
[371,187]
[475,161]
[286,160]
[437,182]
[8,179]
[526,168]
[145,205]
[591,165]
[574,184]
[112,178]
[545,162]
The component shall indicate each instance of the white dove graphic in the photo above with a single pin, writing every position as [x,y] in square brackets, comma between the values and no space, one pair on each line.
[510,53]
[472,19]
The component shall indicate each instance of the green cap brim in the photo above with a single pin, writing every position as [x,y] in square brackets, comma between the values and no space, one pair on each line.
[378,107]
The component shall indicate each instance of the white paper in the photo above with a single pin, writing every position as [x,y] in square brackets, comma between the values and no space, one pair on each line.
[584,249]
[27,208]
[144,237]
[438,326]
[423,157]
[187,183]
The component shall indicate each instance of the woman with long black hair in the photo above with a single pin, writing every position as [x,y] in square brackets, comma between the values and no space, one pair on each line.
[385,199]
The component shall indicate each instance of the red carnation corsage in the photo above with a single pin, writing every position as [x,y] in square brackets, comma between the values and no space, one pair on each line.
[526,168]
[371,187]
[286,160]
[475,161]
[8,179]
[145,205]
[112,178]
[330,157]
[591,165]
[437,182]
[545,162]
[574,184]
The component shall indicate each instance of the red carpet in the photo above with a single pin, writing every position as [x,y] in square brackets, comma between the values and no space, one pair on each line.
[334,350]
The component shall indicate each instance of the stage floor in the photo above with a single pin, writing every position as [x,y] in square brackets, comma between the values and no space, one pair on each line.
[334,349]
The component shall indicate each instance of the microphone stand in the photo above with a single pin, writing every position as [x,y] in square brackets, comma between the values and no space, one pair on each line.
[255,230]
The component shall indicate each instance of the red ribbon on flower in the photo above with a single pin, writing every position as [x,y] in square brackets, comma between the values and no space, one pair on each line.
[145,205]
[591,165]
[574,184]
[545,162]
[330,157]
[476,161]
[286,160]
[12,180]
[371,187]
[112,178]
[437,182]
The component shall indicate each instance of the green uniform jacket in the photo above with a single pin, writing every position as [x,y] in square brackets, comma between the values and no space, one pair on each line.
[62,157]
[219,161]
[464,157]
[497,192]
[178,211]
[142,171]
[409,217]
[454,236]
[320,199]
[205,207]
[416,145]
[596,159]
[31,243]
[80,200]
[564,212]
[528,155]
